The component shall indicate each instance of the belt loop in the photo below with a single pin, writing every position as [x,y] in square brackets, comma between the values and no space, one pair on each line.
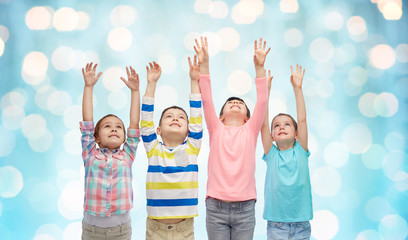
[93,230]
[121,229]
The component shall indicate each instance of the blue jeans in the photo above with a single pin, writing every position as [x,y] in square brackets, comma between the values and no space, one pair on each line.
[226,221]
[288,230]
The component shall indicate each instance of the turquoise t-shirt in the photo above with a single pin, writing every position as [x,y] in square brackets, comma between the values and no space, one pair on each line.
[288,196]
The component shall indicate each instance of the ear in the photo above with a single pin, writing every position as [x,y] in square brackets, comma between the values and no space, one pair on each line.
[158,131]
[222,118]
[97,140]
[296,135]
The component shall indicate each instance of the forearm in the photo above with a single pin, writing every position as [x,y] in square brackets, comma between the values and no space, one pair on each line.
[150,89]
[260,71]
[87,104]
[205,68]
[195,87]
[300,105]
[134,109]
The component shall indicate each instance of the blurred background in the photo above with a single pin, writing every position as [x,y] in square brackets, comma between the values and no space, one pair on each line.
[356,89]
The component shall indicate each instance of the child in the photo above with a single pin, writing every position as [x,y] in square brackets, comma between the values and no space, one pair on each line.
[231,191]
[288,199]
[172,175]
[108,169]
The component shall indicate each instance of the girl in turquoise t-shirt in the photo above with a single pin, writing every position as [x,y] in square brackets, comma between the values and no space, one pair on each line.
[288,198]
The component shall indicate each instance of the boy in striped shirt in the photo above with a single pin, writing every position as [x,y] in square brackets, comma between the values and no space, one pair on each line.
[172,175]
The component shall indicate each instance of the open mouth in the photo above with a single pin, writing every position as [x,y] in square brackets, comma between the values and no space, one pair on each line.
[114,135]
[235,106]
[175,124]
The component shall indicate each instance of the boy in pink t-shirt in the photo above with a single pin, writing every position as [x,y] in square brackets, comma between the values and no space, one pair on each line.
[231,191]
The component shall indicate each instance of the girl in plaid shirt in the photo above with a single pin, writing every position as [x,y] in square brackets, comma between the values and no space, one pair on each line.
[108,176]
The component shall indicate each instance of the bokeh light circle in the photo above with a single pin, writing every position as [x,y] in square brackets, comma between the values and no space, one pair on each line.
[166,96]
[11,182]
[58,102]
[382,56]
[246,11]
[4,33]
[358,76]
[392,11]
[189,40]
[402,52]
[42,197]
[70,202]
[50,229]
[63,58]
[65,19]
[333,21]
[7,142]
[73,231]
[377,208]
[71,143]
[111,78]
[326,182]
[325,88]
[123,16]
[293,37]
[394,141]
[321,49]
[120,39]
[42,143]
[42,94]
[38,18]
[369,235]
[336,154]
[168,63]
[386,104]
[72,115]
[366,105]
[218,9]
[156,44]
[1,47]
[229,38]
[12,117]
[393,227]
[357,137]
[328,124]
[393,164]
[43,237]
[374,157]
[118,99]
[289,6]
[34,126]
[324,224]
[356,26]
[35,64]
[13,98]
[239,82]
[83,21]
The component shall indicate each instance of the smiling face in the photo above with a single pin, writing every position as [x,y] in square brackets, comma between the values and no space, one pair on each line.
[284,130]
[173,121]
[234,107]
[110,132]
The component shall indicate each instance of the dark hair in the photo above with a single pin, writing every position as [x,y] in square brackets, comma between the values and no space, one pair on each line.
[287,115]
[172,107]
[98,124]
[239,99]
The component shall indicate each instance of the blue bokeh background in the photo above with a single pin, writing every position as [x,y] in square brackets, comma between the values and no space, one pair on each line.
[356,89]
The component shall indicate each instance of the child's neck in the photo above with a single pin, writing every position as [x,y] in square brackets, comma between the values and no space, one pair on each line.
[234,122]
[172,142]
[285,145]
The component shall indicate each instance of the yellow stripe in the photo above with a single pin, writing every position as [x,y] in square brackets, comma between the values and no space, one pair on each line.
[167,185]
[196,120]
[172,217]
[192,150]
[157,153]
[146,124]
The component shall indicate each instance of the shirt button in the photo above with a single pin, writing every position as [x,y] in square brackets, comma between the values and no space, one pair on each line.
[170,227]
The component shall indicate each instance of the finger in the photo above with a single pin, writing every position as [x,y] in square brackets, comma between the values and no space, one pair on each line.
[151,65]
[137,76]
[189,62]
[267,51]
[256,45]
[206,42]
[147,68]
[297,68]
[291,70]
[94,68]
[300,69]
[156,65]
[195,60]
[264,46]
[90,66]
[97,76]
[197,44]
[303,73]
[202,41]
[127,72]
[86,67]
[269,73]
[83,72]
[124,81]
[260,43]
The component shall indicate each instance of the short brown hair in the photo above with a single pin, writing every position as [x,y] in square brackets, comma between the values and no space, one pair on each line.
[239,99]
[98,124]
[172,107]
[287,115]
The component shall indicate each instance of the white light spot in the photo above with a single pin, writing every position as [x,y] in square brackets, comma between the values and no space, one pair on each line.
[376,208]
[293,37]
[118,99]
[214,43]
[336,154]
[392,11]
[279,106]
[328,124]
[402,52]
[12,117]
[324,70]
[50,229]
[63,58]
[71,142]
[239,83]
[374,157]
[358,76]
[58,102]
[123,16]
[344,54]
[7,142]
[166,96]
[229,38]
[369,235]
[155,44]
[333,21]
[4,33]
[42,143]
[83,21]
[12,98]
[82,58]
[386,104]
[366,105]
[38,18]
[321,50]
[42,95]
[111,78]
[11,182]
[35,64]
[70,202]
[72,115]
[357,29]
[218,9]
[1,47]
[357,137]
[120,39]
[394,141]
[246,11]
[43,237]
[65,19]
[382,56]
[289,6]
[393,164]
[326,182]
[73,231]
[325,88]
[34,126]
[168,63]
[189,40]
[324,224]
[202,6]
[393,227]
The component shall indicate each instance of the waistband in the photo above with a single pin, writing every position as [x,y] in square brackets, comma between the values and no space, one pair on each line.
[181,226]
[107,231]
[107,222]
[229,205]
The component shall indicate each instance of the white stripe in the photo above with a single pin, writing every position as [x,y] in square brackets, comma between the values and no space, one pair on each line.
[172,177]
[171,193]
[172,211]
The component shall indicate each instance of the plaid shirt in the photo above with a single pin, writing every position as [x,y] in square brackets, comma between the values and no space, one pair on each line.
[108,174]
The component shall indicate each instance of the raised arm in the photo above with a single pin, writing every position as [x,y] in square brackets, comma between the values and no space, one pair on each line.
[266,135]
[90,80]
[259,58]
[153,75]
[194,75]
[133,84]
[195,126]
[296,79]
[202,55]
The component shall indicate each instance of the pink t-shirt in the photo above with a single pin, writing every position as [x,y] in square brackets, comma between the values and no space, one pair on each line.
[231,163]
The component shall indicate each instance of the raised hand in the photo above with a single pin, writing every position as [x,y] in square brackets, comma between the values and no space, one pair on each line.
[89,74]
[269,81]
[194,69]
[202,50]
[133,79]
[260,53]
[296,78]
[153,72]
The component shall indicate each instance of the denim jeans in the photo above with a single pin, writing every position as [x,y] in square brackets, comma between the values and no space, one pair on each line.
[226,221]
[288,230]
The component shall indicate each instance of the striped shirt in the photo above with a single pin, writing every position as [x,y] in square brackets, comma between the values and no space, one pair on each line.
[108,174]
[172,175]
